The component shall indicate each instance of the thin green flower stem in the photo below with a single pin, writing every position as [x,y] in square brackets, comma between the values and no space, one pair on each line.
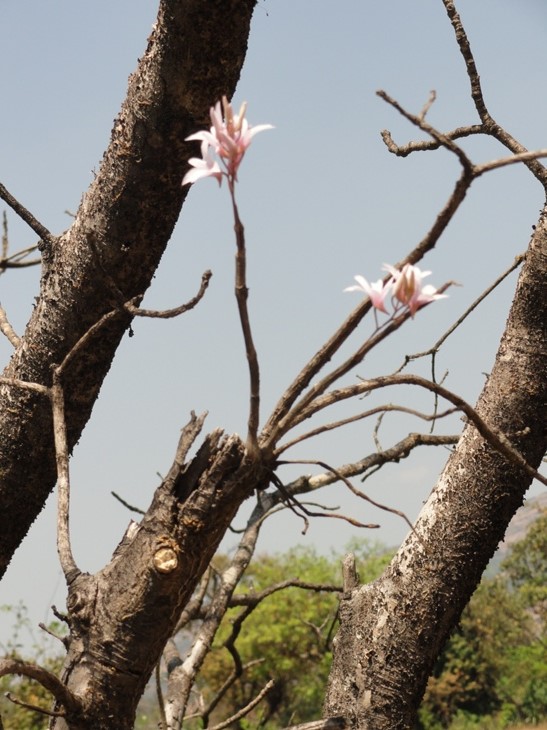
[242,293]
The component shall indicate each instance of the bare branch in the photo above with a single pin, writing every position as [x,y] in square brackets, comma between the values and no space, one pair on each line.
[342,478]
[26,216]
[159,695]
[36,387]
[504,161]
[427,106]
[297,506]
[489,126]
[234,676]
[5,239]
[34,708]
[442,139]
[386,408]
[7,329]
[245,711]
[48,680]
[193,607]
[176,311]
[330,723]
[272,430]
[253,599]
[66,558]
[496,439]
[429,144]
[130,507]
[399,451]
[434,348]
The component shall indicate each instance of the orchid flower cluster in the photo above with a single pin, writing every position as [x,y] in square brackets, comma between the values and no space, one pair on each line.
[405,288]
[229,137]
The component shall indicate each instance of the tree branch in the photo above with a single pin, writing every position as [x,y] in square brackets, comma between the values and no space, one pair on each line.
[48,680]
[27,216]
[68,564]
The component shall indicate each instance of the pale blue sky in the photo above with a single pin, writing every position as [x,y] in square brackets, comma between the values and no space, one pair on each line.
[322,200]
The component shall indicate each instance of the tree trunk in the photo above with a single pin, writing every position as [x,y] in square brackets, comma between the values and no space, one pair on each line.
[110,253]
[392,630]
[121,618]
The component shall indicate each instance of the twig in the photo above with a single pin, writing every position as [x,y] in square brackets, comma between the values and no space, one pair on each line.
[341,477]
[7,329]
[434,349]
[429,144]
[36,387]
[438,136]
[5,238]
[504,161]
[496,439]
[26,216]
[176,311]
[295,505]
[62,639]
[245,710]
[130,507]
[489,126]
[225,687]
[34,708]
[253,599]
[386,408]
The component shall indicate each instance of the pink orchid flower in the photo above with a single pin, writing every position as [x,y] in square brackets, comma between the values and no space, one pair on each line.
[376,292]
[229,137]
[407,287]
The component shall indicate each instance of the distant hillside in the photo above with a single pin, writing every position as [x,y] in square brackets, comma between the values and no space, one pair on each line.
[518,527]
[528,513]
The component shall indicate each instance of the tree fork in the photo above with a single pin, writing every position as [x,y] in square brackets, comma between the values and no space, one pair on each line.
[194,55]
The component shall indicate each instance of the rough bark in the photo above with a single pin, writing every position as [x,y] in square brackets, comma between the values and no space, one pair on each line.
[392,630]
[110,253]
[121,618]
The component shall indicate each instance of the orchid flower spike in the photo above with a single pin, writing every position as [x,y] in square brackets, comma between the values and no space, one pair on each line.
[229,138]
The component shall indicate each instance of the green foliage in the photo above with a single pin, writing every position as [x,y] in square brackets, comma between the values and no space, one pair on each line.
[288,635]
[43,652]
[526,568]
